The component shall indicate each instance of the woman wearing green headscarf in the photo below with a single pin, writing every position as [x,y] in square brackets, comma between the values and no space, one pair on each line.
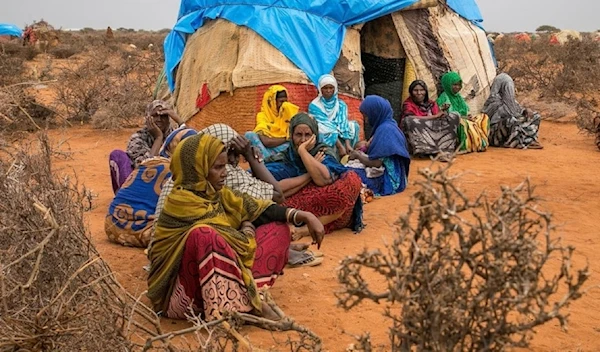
[473,130]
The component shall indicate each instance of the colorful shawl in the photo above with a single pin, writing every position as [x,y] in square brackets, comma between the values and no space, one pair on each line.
[194,203]
[132,210]
[331,115]
[502,102]
[456,101]
[269,121]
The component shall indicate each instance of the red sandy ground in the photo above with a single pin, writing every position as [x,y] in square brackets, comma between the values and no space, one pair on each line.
[566,173]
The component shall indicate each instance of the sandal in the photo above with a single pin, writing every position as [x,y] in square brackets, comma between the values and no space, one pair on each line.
[315,253]
[535,145]
[297,259]
[309,261]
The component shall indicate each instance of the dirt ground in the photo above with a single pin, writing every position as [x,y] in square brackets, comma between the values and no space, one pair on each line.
[566,173]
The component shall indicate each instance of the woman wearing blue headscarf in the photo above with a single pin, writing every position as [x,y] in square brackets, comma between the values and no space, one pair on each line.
[387,152]
[331,113]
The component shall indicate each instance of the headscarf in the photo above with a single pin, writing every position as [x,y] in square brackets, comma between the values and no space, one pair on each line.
[303,118]
[388,139]
[194,203]
[456,101]
[221,131]
[425,108]
[173,139]
[269,121]
[238,178]
[331,114]
[154,105]
[502,101]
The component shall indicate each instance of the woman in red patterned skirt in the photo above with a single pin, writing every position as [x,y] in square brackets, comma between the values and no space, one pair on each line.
[215,247]
[315,180]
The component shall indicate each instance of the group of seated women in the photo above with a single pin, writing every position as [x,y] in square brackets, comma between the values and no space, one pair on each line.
[445,126]
[215,232]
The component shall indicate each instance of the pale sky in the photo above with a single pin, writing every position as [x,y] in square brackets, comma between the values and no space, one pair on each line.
[499,15]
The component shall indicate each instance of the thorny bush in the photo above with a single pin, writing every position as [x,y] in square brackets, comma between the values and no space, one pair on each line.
[56,292]
[464,274]
[110,90]
[18,107]
[567,73]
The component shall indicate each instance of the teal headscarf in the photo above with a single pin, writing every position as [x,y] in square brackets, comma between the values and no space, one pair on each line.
[456,101]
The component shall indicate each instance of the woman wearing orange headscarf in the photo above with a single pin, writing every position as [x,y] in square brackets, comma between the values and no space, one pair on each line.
[273,122]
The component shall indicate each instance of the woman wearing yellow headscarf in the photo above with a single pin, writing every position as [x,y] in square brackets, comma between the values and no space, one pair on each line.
[213,246]
[273,122]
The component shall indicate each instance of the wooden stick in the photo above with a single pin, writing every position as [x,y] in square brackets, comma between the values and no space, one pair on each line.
[30,118]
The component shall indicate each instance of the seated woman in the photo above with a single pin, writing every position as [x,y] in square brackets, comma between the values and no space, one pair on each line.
[428,130]
[130,218]
[331,113]
[473,130]
[262,186]
[272,122]
[315,181]
[215,247]
[387,149]
[511,126]
[144,143]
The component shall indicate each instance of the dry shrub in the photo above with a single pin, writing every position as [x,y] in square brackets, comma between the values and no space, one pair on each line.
[65,51]
[16,50]
[567,73]
[18,107]
[81,90]
[56,292]
[464,274]
[11,69]
[110,90]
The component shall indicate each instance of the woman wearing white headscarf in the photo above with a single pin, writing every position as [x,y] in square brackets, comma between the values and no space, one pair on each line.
[331,113]
[511,126]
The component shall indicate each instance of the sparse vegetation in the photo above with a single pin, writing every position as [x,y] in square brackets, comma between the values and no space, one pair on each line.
[105,81]
[559,73]
[465,274]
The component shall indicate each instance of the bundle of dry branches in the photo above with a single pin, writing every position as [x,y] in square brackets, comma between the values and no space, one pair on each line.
[56,292]
[469,275]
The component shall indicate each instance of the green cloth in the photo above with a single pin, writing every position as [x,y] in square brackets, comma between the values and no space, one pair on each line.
[456,101]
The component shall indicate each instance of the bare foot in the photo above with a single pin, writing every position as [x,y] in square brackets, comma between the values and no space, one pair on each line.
[299,246]
[299,232]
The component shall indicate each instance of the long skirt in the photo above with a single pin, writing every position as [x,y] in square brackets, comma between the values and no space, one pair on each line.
[255,141]
[339,197]
[127,235]
[473,134]
[120,168]
[515,132]
[431,136]
[210,279]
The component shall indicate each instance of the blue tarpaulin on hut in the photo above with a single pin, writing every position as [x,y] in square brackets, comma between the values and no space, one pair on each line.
[309,33]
